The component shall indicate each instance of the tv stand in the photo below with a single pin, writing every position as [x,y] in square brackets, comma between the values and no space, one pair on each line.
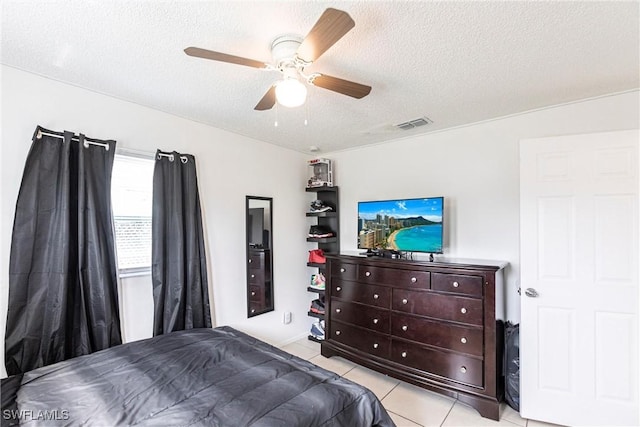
[431,257]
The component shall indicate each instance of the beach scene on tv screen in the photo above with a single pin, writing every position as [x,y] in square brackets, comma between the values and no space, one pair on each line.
[412,225]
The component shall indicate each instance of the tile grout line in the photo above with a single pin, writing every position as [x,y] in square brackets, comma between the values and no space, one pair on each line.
[389,392]
[448,413]
[402,416]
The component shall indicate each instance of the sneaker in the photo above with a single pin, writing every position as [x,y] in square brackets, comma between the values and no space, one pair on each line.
[317,330]
[318,281]
[317,306]
[316,256]
[319,206]
[320,231]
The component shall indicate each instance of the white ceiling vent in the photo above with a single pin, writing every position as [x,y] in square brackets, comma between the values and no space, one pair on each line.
[411,124]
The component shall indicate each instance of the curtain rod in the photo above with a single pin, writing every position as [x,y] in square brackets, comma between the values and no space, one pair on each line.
[183,159]
[86,143]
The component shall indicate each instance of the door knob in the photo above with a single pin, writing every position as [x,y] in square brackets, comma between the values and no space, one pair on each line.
[531,293]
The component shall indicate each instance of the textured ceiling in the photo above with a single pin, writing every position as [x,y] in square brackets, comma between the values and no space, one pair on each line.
[453,62]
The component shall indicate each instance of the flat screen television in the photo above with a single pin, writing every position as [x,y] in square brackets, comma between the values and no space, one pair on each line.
[408,225]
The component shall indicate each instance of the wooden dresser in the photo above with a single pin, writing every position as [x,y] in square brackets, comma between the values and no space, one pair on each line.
[432,324]
[259,279]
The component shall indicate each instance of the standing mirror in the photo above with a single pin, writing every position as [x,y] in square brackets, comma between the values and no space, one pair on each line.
[259,255]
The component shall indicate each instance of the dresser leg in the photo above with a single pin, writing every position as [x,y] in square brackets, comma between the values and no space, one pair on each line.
[326,352]
[487,408]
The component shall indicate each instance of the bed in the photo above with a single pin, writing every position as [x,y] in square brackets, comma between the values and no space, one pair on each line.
[210,377]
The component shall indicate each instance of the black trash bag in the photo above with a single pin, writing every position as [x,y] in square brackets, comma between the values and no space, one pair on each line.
[512,365]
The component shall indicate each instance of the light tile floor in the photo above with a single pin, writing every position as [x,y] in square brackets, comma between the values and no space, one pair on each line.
[408,405]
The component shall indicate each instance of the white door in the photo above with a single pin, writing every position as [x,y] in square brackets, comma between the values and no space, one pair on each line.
[579,253]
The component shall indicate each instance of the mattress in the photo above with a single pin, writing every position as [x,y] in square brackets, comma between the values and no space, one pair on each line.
[209,377]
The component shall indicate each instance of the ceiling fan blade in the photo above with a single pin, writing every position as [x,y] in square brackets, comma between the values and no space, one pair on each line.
[223,57]
[344,87]
[268,100]
[332,25]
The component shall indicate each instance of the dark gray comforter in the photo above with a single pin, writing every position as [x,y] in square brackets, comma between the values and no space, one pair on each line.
[209,377]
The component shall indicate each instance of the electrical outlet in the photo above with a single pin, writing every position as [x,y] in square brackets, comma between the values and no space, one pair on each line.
[286,319]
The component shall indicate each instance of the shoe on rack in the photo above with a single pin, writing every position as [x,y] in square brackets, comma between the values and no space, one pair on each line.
[320,231]
[317,306]
[319,206]
[318,281]
[317,330]
[316,256]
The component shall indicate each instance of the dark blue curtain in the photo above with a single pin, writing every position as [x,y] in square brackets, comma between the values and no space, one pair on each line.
[63,299]
[179,267]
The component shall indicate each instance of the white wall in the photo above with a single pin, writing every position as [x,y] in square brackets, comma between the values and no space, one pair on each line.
[229,167]
[476,169]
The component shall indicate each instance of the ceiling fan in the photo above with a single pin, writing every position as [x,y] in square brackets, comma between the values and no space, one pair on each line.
[291,55]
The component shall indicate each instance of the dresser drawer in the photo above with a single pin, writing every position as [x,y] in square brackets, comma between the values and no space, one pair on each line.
[394,277]
[457,283]
[379,296]
[446,307]
[457,367]
[256,293]
[372,318]
[256,277]
[256,306]
[343,270]
[369,342]
[446,335]
[256,260]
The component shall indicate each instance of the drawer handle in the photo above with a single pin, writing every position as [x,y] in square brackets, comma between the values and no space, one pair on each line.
[375,345]
[414,280]
[456,284]
[338,289]
[404,301]
[250,260]
[253,276]
[405,327]
[338,332]
[367,273]
[253,310]
[253,294]
[376,296]
[463,310]
[338,310]
[463,369]
[375,321]
[342,270]
[404,354]
[463,340]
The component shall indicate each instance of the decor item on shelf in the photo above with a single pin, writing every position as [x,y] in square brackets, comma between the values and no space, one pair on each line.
[319,206]
[316,256]
[320,231]
[291,55]
[321,173]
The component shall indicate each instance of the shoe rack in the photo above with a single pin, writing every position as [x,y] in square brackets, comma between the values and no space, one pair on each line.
[330,245]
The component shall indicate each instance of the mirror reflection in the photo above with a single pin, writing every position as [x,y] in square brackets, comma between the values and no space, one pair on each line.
[259,255]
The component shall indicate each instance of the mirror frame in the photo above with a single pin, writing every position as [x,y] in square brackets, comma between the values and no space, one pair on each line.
[260,257]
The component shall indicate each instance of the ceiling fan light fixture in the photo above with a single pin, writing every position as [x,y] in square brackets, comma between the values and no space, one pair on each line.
[291,93]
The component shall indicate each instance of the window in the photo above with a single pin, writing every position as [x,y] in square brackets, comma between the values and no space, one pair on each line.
[131,198]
